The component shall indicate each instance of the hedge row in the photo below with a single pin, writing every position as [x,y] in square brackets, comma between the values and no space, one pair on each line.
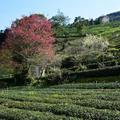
[115,85]
[98,104]
[71,110]
[57,98]
[18,114]
[101,75]
[54,96]
[105,72]
[66,109]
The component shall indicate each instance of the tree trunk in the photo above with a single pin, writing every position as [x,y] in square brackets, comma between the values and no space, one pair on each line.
[43,73]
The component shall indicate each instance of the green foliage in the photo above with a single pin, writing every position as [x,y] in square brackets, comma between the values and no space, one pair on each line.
[60,24]
[103,72]
[78,53]
[80,23]
[59,19]
[99,83]
[17,114]
[111,31]
[86,76]
[53,78]
[62,102]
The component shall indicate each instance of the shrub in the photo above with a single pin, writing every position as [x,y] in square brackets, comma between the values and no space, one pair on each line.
[105,72]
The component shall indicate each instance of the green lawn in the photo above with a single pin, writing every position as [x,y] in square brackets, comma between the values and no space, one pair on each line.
[85,101]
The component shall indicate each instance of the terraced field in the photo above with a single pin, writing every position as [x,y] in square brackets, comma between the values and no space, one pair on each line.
[111,31]
[86,101]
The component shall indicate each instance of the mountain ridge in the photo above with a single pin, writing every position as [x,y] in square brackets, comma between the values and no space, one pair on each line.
[111,17]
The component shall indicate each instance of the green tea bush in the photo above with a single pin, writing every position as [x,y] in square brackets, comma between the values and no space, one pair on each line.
[17,114]
[69,109]
[80,101]
[115,85]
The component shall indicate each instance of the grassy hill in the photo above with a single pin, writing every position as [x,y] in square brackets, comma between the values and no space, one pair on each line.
[111,31]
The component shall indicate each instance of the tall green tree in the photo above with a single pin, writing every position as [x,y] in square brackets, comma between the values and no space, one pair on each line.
[59,24]
[79,23]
